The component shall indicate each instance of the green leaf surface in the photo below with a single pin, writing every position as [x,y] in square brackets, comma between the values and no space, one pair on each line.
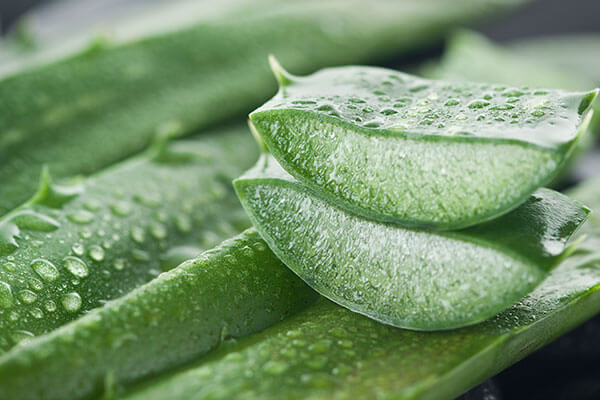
[73,247]
[470,56]
[233,290]
[328,352]
[576,54]
[408,278]
[397,148]
[86,111]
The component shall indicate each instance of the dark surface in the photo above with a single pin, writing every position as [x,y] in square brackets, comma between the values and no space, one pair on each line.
[569,368]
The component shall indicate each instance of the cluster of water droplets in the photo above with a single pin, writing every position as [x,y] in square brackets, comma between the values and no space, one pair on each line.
[56,263]
[374,98]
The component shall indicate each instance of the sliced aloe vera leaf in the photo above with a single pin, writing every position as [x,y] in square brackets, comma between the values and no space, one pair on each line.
[328,352]
[72,248]
[85,111]
[471,56]
[233,290]
[421,153]
[403,277]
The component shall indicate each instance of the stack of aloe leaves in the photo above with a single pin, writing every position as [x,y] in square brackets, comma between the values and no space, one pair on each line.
[415,205]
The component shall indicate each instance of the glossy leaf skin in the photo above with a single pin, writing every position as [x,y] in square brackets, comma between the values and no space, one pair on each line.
[397,148]
[105,103]
[233,290]
[532,63]
[72,248]
[328,352]
[408,278]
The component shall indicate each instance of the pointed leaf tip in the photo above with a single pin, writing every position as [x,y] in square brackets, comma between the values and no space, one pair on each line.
[283,77]
[52,195]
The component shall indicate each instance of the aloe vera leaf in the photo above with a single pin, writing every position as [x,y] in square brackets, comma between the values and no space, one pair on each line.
[397,148]
[72,248]
[471,56]
[105,102]
[328,352]
[233,290]
[577,54]
[403,277]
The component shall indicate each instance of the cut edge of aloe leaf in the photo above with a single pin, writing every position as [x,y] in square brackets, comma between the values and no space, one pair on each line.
[403,201]
[312,247]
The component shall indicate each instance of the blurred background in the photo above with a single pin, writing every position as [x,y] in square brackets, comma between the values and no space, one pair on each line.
[569,368]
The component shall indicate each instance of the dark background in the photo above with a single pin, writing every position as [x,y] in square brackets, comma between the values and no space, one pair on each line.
[569,368]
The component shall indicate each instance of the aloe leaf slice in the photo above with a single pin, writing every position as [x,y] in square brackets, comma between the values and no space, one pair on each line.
[87,110]
[233,290]
[421,153]
[328,352]
[73,247]
[408,278]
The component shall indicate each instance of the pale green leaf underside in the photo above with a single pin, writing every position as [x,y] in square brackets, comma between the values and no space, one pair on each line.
[328,352]
[398,148]
[408,278]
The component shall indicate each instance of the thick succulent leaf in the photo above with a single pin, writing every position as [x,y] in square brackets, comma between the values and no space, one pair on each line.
[328,352]
[72,248]
[576,54]
[238,288]
[103,104]
[398,148]
[470,56]
[403,277]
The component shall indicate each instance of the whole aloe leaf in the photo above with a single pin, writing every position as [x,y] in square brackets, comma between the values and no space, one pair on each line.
[328,352]
[404,277]
[72,248]
[470,56]
[575,54]
[233,290]
[397,148]
[98,106]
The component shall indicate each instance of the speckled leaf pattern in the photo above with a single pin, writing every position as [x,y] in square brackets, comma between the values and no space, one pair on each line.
[328,352]
[408,278]
[398,148]
[233,290]
[72,248]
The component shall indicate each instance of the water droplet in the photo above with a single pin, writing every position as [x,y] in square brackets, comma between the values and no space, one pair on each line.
[85,234]
[45,269]
[50,306]
[6,297]
[36,313]
[96,253]
[92,205]
[513,93]
[36,284]
[121,209]
[147,201]
[140,255]
[478,104]
[27,296]
[138,234]
[81,217]
[78,249]
[320,346]
[119,264]
[9,267]
[20,335]
[76,266]
[452,102]
[71,302]
[538,113]
[158,231]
